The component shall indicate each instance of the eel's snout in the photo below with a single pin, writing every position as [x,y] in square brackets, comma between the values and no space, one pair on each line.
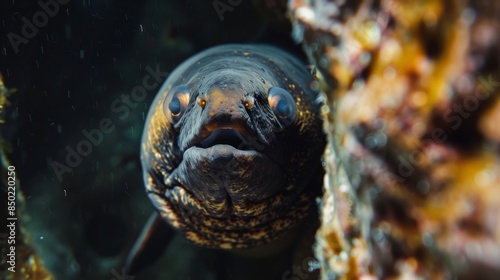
[225,118]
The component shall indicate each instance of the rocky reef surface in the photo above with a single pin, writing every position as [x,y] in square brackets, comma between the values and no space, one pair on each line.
[413,184]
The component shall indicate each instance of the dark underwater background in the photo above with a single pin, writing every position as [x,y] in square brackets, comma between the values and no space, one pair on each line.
[82,213]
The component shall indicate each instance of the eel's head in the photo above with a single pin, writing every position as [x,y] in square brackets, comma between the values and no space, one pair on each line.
[230,147]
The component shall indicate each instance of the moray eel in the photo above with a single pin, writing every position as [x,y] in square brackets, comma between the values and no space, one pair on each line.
[232,145]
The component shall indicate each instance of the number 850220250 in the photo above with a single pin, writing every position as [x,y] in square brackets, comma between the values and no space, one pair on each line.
[11,190]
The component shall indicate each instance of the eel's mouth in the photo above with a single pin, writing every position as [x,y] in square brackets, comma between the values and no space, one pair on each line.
[238,137]
[226,136]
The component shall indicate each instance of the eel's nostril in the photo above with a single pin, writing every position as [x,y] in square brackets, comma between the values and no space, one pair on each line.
[201,101]
[249,102]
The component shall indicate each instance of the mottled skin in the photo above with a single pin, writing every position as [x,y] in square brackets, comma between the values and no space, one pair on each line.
[224,195]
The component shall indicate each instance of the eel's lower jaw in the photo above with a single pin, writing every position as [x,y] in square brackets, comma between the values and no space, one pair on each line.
[218,154]
[223,181]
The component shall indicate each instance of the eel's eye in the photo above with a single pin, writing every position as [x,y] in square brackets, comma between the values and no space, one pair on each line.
[283,105]
[176,103]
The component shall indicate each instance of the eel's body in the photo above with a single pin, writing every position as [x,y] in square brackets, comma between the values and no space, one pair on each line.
[232,144]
